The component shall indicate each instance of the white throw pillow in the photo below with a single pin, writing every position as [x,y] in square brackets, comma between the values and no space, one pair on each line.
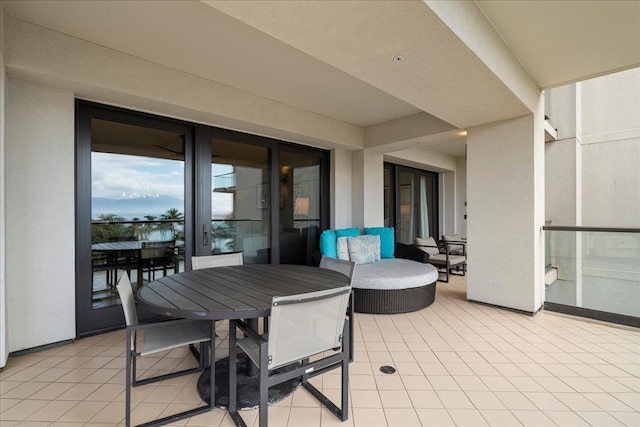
[364,249]
[342,248]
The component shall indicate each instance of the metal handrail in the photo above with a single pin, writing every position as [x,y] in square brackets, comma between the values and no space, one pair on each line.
[594,229]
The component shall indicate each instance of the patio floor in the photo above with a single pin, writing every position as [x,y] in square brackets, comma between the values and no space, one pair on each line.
[457,364]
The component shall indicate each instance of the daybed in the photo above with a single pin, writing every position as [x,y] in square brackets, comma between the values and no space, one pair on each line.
[398,280]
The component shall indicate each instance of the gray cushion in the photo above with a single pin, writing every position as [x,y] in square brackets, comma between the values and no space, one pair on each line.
[428,245]
[453,247]
[441,259]
[394,273]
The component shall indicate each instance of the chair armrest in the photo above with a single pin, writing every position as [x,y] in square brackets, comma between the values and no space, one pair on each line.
[161,324]
[411,252]
[250,333]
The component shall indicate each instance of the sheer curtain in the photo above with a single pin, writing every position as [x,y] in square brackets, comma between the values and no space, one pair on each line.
[423,229]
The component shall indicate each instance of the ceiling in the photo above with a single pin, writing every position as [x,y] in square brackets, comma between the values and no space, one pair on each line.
[336,58]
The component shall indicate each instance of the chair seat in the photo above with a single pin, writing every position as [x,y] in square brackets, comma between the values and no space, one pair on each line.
[175,334]
[441,259]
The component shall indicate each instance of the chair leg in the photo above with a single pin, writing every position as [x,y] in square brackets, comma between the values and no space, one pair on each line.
[263,410]
[345,373]
[233,375]
[128,380]
[351,322]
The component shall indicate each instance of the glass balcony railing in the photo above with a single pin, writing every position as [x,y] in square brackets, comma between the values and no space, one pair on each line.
[224,182]
[594,272]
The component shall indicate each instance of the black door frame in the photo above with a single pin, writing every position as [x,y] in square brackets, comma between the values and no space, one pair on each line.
[197,169]
[88,320]
[394,169]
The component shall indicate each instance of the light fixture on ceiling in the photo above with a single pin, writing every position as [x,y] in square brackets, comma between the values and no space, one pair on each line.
[398,58]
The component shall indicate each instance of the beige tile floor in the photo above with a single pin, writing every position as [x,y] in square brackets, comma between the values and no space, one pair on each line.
[457,364]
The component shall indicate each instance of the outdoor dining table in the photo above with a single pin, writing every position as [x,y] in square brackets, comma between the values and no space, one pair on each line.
[114,249]
[134,247]
[237,292]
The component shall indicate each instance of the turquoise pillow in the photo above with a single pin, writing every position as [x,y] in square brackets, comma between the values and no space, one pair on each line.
[348,232]
[387,240]
[328,244]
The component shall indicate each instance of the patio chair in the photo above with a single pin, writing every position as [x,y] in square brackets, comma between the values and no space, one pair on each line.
[302,326]
[159,256]
[348,268]
[440,258]
[157,337]
[456,244]
[220,260]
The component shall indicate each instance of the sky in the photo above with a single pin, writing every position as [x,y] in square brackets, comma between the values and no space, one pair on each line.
[119,176]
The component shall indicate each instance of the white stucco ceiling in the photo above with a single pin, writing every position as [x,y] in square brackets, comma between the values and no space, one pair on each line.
[336,58]
[565,41]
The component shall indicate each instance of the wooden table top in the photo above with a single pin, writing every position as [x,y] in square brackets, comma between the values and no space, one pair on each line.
[236,292]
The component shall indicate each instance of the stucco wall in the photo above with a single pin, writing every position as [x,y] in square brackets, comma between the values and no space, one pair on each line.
[611,150]
[506,213]
[40,236]
[461,196]
[4,351]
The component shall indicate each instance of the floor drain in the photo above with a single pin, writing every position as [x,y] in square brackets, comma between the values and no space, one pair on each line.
[387,369]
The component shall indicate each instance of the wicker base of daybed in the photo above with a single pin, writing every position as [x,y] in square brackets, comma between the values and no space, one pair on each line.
[390,301]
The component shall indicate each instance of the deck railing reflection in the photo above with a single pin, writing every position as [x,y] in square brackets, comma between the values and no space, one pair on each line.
[596,272]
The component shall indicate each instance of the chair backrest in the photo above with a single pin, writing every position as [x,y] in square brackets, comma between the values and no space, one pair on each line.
[453,247]
[221,260]
[126,298]
[158,249]
[347,268]
[427,245]
[306,324]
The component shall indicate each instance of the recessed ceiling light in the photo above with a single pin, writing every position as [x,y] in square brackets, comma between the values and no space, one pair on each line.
[398,58]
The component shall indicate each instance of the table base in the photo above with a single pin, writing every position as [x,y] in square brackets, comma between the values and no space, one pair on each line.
[248,387]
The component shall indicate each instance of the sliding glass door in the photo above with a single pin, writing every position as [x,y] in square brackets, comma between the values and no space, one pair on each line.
[240,214]
[151,192]
[299,205]
[133,208]
[413,194]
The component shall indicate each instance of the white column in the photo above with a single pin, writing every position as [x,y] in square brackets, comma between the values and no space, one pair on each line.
[367,189]
[505,193]
[340,188]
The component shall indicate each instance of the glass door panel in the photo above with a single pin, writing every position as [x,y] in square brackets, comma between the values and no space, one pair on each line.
[240,200]
[417,210]
[406,218]
[137,206]
[299,207]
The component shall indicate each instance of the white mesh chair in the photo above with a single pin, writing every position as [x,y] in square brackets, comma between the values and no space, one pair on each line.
[302,326]
[440,258]
[221,260]
[348,268]
[157,337]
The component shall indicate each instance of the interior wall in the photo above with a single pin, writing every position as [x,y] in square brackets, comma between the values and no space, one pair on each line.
[4,351]
[40,235]
[505,188]
[461,196]
[449,207]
